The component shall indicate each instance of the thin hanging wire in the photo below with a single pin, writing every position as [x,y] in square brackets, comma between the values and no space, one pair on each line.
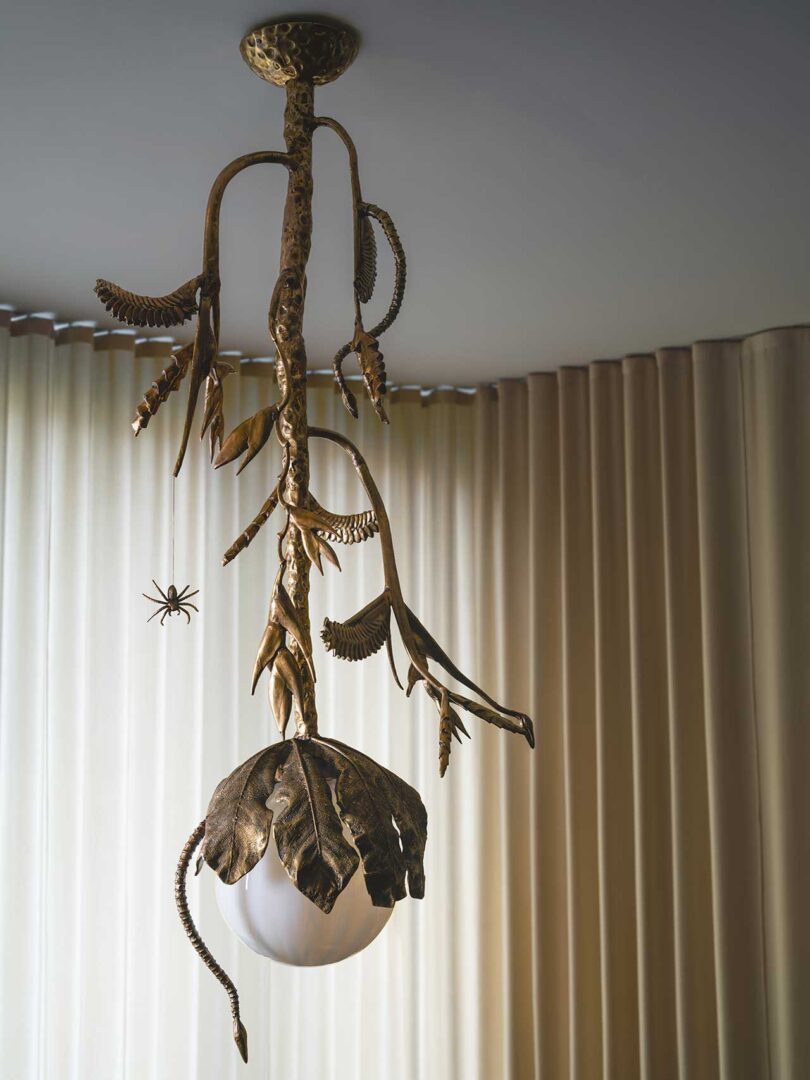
[174,481]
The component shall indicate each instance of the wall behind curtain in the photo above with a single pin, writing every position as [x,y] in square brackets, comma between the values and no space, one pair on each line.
[622,550]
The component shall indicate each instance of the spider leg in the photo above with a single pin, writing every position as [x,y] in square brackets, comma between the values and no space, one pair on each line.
[162,593]
[155,613]
[154,601]
[188,617]
[165,613]
[187,595]
[183,592]
[186,604]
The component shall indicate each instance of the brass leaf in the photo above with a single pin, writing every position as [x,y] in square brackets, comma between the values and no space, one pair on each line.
[168,380]
[202,360]
[414,676]
[213,402]
[372,366]
[283,612]
[498,714]
[280,701]
[310,543]
[272,641]
[366,274]
[246,538]
[237,822]
[368,797]
[521,726]
[240,1037]
[327,550]
[309,836]
[363,634]
[388,228]
[286,666]
[363,804]
[445,733]
[250,436]
[170,310]
[343,528]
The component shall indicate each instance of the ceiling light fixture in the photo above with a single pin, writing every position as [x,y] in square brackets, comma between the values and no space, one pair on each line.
[329,807]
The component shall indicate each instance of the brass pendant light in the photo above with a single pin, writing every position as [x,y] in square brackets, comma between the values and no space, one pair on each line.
[319,785]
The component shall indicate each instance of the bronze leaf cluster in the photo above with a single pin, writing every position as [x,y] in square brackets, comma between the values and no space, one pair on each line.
[320,785]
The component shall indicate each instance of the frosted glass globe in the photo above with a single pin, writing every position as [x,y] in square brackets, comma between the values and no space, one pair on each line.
[266,911]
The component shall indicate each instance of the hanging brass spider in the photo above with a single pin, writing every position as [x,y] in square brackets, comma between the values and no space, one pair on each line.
[172,602]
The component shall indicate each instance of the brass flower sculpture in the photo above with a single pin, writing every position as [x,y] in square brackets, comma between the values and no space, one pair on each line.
[384,815]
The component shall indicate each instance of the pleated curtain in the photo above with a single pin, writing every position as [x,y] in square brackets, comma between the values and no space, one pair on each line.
[619,549]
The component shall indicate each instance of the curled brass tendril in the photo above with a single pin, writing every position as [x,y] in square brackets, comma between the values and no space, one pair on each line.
[193,934]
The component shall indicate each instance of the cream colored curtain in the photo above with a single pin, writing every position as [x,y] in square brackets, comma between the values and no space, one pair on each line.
[622,550]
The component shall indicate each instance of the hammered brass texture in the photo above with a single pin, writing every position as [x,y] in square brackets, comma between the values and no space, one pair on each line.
[202,950]
[237,821]
[304,49]
[385,816]
[322,784]
[286,318]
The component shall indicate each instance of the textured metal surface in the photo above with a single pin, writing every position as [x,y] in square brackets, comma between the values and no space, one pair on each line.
[419,643]
[202,950]
[386,818]
[171,310]
[304,49]
[286,319]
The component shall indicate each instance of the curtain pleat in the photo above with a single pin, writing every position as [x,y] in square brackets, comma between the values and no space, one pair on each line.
[731,737]
[648,680]
[696,1013]
[620,550]
[775,389]
[579,726]
[614,732]
[548,821]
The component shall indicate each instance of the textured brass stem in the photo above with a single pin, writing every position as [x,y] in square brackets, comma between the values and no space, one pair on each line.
[202,950]
[286,319]
[354,175]
[214,206]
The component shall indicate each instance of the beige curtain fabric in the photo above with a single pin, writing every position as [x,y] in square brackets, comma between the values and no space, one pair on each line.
[622,550]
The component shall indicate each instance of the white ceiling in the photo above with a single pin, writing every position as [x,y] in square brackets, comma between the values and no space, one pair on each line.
[571,181]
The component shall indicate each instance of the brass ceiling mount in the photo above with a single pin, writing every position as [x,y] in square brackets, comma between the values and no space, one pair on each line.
[315,50]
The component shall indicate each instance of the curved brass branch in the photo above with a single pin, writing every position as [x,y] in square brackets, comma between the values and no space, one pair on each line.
[214,206]
[202,950]
[365,270]
[435,652]
[400,268]
[348,142]
[418,643]
[400,272]
[365,247]
[390,571]
[206,341]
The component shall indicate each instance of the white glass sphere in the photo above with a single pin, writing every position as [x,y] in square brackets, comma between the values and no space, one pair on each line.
[268,913]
